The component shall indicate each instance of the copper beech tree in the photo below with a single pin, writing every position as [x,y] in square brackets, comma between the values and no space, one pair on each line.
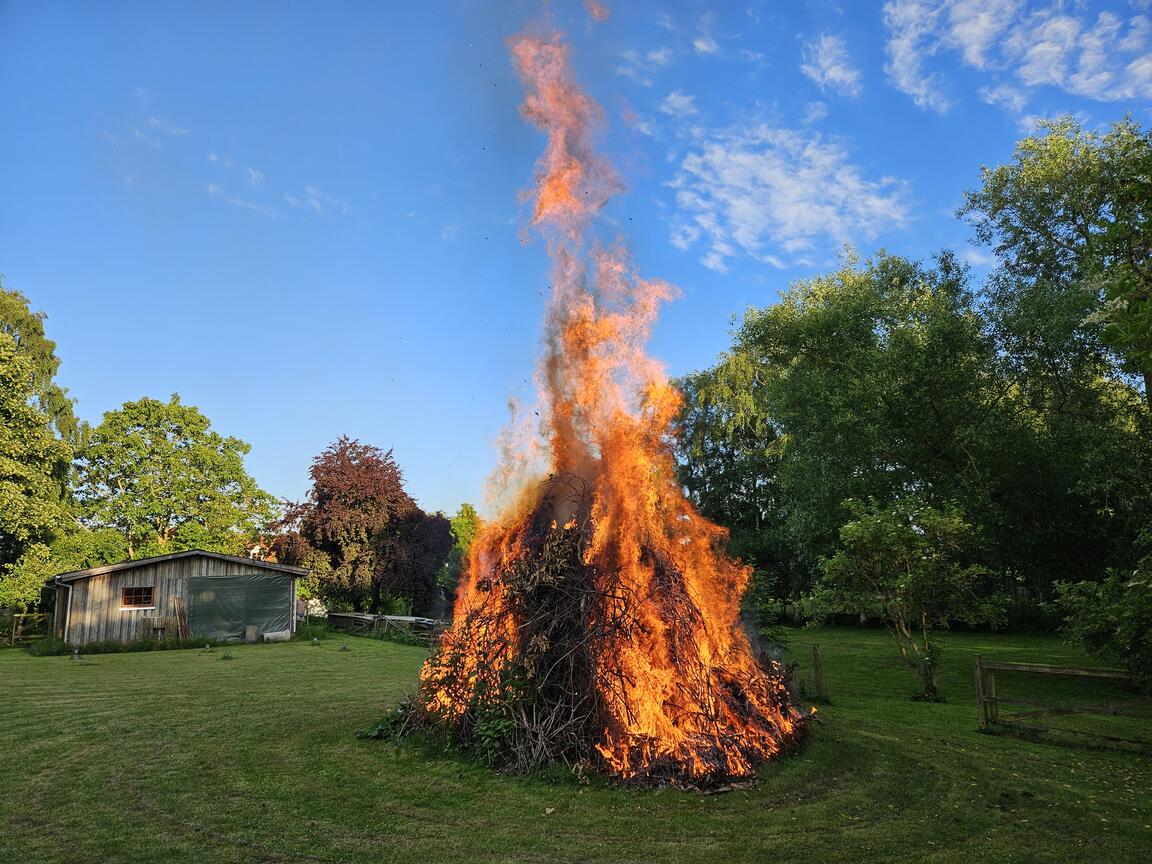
[366,539]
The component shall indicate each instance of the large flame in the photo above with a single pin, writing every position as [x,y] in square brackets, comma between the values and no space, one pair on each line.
[666,684]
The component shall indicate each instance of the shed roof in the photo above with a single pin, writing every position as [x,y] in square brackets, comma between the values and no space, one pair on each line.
[73,575]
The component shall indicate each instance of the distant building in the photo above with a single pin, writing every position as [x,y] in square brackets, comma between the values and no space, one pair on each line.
[193,594]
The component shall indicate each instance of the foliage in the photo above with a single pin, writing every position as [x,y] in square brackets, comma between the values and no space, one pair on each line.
[1071,217]
[1113,619]
[27,331]
[157,473]
[909,558]
[31,510]
[363,533]
[887,378]
[465,526]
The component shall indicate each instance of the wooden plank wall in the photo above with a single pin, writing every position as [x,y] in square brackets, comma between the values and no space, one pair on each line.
[96,613]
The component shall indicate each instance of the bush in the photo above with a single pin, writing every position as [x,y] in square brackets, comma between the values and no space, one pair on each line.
[1112,619]
[50,647]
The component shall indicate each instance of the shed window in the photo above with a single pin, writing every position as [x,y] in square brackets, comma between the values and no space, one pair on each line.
[137,598]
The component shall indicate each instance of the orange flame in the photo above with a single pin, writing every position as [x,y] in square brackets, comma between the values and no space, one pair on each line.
[679,683]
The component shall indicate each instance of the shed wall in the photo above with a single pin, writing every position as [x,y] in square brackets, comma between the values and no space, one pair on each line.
[96,614]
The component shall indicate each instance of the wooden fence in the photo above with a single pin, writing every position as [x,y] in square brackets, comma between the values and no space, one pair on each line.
[28,627]
[988,701]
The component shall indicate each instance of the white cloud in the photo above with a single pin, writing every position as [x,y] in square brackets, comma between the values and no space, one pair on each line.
[814,112]
[640,67]
[678,104]
[217,192]
[323,204]
[255,178]
[449,232]
[160,126]
[777,195]
[1021,46]
[705,45]
[828,63]
[911,25]
[978,257]
[1006,96]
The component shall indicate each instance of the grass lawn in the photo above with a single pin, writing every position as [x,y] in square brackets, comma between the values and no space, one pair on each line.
[181,756]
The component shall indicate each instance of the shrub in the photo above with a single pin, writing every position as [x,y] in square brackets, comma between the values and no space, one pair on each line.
[1112,619]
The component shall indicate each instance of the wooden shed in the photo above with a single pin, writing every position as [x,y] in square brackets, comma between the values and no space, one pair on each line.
[194,593]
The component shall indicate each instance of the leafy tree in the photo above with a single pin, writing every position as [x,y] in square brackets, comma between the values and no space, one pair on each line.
[157,473]
[465,525]
[875,380]
[908,558]
[887,379]
[1113,619]
[1071,219]
[31,510]
[27,331]
[373,541]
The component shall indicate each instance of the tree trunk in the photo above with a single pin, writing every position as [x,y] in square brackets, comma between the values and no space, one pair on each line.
[1148,387]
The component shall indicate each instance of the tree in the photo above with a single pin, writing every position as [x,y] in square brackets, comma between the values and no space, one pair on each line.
[422,544]
[908,558]
[875,380]
[27,331]
[157,473]
[464,526]
[375,543]
[1071,219]
[888,378]
[31,510]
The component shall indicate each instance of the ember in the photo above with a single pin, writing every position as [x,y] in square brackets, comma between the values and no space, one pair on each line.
[598,623]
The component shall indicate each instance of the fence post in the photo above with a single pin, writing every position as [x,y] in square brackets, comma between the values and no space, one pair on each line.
[981,707]
[818,674]
[993,705]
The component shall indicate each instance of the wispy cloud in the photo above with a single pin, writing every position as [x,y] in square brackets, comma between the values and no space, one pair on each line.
[703,43]
[321,203]
[160,126]
[977,257]
[911,25]
[216,191]
[777,195]
[1106,58]
[641,67]
[828,63]
[678,104]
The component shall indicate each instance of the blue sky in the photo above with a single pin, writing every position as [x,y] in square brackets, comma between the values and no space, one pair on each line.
[304,217]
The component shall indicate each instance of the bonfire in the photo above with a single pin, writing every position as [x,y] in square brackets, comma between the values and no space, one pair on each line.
[598,623]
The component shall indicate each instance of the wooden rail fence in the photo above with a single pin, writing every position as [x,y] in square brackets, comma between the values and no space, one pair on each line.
[27,627]
[988,700]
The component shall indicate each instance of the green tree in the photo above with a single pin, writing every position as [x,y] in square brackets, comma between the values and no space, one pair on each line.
[27,331]
[31,510]
[1071,219]
[875,380]
[908,559]
[888,378]
[157,473]
[465,526]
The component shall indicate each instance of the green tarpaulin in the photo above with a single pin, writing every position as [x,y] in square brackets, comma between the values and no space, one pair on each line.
[219,607]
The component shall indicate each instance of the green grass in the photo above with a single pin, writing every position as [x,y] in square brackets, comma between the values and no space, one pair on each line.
[177,756]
